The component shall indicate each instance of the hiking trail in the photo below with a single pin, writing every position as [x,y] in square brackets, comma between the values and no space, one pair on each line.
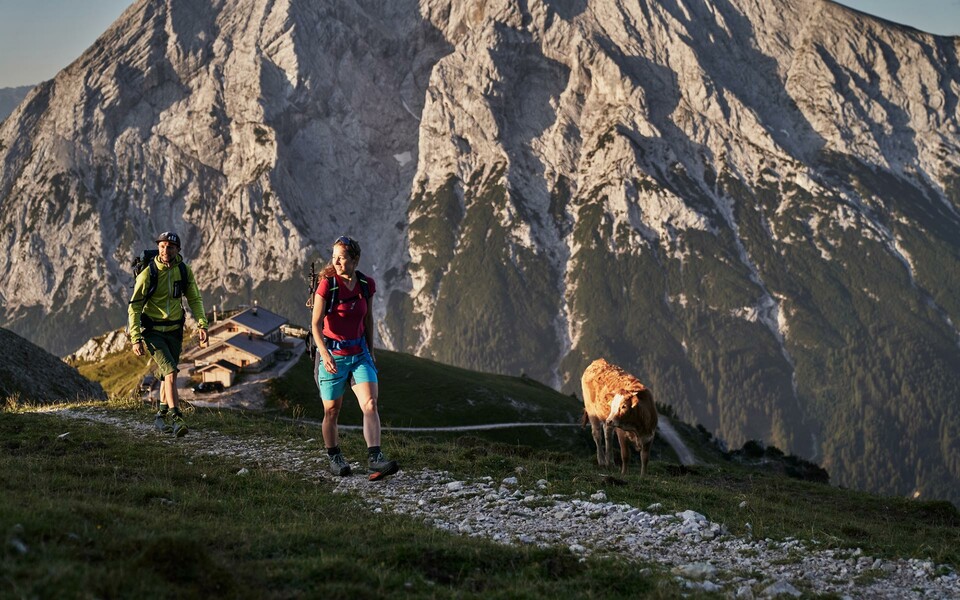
[518,510]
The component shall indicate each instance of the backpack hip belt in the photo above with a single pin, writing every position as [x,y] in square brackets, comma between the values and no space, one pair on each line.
[147,324]
[343,344]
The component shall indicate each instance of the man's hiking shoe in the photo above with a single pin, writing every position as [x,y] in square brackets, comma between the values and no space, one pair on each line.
[180,428]
[339,465]
[379,467]
[160,424]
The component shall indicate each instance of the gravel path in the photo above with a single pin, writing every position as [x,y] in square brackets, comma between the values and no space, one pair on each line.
[702,554]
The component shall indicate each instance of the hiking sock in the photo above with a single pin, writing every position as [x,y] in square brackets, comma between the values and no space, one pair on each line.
[372,451]
[163,411]
[177,414]
[333,451]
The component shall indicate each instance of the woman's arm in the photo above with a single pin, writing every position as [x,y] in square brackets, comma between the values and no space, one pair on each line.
[368,327]
[316,327]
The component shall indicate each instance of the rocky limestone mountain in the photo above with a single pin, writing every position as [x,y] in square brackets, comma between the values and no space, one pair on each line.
[31,375]
[752,205]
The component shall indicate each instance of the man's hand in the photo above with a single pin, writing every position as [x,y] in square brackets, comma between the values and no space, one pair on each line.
[139,348]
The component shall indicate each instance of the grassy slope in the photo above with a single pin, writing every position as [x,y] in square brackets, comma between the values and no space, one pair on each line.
[119,374]
[416,392]
[104,514]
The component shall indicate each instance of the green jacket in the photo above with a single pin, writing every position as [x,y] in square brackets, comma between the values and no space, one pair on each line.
[162,305]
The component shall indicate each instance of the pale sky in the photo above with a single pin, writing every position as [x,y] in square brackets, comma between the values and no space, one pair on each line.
[934,16]
[40,37]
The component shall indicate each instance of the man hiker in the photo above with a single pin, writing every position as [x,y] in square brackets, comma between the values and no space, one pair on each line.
[156,318]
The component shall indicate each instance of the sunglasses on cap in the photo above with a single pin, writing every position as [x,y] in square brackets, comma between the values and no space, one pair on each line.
[352,245]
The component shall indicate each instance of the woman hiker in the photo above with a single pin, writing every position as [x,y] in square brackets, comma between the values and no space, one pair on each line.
[342,327]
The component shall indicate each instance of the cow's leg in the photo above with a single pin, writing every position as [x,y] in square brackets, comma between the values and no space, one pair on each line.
[608,433]
[624,451]
[594,421]
[597,435]
[645,455]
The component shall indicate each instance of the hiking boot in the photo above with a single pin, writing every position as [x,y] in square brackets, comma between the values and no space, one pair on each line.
[180,428]
[339,465]
[379,467]
[160,423]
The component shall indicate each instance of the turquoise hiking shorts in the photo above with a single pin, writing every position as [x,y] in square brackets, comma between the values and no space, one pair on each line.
[358,367]
[164,347]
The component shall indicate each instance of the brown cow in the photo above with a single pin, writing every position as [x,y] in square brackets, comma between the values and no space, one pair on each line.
[615,399]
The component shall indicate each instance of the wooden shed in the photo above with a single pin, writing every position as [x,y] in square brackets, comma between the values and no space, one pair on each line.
[223,371]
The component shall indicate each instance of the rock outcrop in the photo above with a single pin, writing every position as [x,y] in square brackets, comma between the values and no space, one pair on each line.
[31,375]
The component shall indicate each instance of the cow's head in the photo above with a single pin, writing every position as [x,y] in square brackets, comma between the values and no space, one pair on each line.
[623,403]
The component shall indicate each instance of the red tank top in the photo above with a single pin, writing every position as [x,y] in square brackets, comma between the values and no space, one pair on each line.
[345,321]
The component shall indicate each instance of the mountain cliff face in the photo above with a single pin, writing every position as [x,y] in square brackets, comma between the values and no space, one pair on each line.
[752,205]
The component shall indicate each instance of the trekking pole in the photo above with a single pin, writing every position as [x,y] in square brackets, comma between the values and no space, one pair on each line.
[311,349]
[312,285]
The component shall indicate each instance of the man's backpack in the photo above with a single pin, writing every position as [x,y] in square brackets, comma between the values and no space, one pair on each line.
[334,290]
[146,261]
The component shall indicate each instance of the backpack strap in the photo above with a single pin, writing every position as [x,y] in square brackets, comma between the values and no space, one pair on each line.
[334,289]
[364,286]
[155,277]
[183,277]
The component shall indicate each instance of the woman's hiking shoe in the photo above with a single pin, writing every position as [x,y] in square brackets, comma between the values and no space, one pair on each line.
[160,423]
[179,427]
[339,465]
[379,467]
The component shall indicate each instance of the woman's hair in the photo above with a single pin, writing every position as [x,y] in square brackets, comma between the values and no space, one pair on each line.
[352,247]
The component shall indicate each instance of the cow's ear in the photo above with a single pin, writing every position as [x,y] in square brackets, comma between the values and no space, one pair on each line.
[634,400]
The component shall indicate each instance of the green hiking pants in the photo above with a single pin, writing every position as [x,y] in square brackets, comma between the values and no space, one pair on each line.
[164,347]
